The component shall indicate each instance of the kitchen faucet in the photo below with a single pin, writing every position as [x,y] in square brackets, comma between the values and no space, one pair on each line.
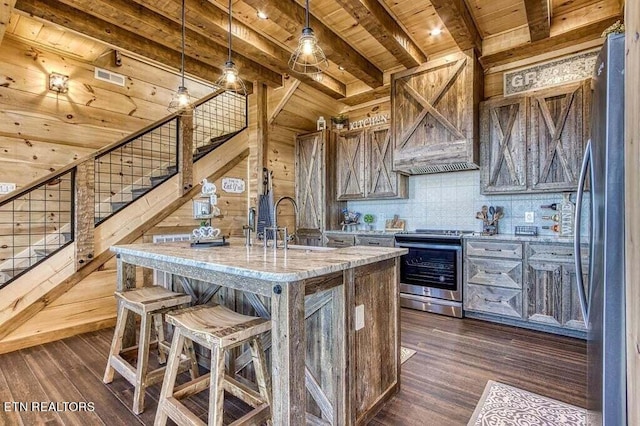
[275,220]
[250,226]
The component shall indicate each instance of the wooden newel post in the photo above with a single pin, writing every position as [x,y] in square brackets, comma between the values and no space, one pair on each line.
[84,213]
[185,152]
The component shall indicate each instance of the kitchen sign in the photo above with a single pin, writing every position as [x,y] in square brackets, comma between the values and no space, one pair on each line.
[369,121]
[549,74]
[6,188]
[233,185]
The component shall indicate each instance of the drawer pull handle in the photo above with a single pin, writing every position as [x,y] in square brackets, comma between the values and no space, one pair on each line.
[486,299]
[490,249]
[492,273]
[339,241]
[373,243]
[561,254]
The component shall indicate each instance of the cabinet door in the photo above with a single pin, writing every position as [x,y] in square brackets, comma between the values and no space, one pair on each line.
[571,311]
[350,165]
[558,123]
[505,302]
[544,291]
[310,180]
[503,145]
[381,180]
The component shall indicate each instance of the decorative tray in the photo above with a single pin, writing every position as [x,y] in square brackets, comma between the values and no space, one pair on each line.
[218,242]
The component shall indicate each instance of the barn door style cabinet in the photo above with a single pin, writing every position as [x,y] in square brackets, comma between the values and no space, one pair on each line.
[528,284]
[535,143]
[318,209]
[365,166]
[434,110]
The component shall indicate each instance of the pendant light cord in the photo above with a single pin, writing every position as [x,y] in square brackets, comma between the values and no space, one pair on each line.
[183,35]
[229,30]
[306,14]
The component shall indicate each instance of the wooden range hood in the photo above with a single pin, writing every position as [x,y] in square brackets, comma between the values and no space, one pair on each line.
[435,115]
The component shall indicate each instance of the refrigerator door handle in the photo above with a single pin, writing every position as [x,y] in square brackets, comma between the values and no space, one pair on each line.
[576,238]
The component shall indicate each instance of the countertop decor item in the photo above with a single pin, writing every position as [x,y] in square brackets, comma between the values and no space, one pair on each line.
[340,121]
[368,219]
[396,224]
[351,220]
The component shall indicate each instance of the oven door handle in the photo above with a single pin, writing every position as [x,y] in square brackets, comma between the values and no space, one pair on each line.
[430,246]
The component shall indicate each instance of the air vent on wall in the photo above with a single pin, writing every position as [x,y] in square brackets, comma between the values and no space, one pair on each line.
[110,77]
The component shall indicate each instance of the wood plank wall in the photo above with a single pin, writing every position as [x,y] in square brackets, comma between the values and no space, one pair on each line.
[41,130]
[632,209]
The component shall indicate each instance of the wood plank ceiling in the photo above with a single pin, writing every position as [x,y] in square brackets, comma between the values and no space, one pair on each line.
[364,40]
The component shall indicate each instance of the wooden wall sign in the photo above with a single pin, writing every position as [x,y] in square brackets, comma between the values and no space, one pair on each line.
[551,73]
[233,185]
[369,121]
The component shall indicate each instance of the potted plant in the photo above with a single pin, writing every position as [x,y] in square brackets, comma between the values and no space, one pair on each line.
[340,121]
[368,219]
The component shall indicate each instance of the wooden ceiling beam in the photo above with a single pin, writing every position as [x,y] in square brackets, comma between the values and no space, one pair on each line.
[538,18]
[368,96]
[6,7]
[210,21]
[82,23]
[160,29]
[385,28]
[456,17]
[290,16]
[560,41]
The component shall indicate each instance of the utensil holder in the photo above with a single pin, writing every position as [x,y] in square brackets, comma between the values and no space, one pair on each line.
[489,227]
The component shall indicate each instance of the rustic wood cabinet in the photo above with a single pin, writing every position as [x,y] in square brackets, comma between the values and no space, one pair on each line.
[550,278]
[434,110]
[529,284]
[340,240]
[318,209]
[375,240]
[364,161]
[503,146]
[535,143]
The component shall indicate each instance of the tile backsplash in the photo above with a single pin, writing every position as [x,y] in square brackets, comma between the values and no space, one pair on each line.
[451,200]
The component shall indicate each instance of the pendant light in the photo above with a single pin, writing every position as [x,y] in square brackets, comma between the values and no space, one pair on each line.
[181,99]
[230,81]
[308,58]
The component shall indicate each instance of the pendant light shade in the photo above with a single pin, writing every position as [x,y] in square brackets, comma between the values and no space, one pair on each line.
[181,100]
[230,79]
[308,58]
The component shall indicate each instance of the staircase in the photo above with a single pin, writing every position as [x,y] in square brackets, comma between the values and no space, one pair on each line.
[39,221]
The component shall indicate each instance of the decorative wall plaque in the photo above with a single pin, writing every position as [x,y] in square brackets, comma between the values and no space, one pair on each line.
[369,121]
[548,74]
[233,185]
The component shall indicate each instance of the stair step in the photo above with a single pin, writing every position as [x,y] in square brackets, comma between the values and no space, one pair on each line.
[172,169]
[157,180]
[203,150]
[66,236]
[139,192]
[117,205]
[44,252]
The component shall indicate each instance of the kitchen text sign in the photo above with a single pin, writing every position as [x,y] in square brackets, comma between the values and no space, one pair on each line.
[233,185]
[369,121]
[549,74]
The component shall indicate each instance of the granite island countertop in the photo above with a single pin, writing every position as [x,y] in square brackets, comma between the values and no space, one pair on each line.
[296,263]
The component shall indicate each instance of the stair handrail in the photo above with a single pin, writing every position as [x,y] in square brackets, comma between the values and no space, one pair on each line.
[90,157]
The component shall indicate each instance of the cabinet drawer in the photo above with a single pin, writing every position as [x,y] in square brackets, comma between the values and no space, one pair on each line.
[340,240]
[375,241]
[493,300]
[494,272]
[557,253]
[499,249]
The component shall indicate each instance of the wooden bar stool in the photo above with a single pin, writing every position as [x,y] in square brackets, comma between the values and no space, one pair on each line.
[151,303]
[218,329]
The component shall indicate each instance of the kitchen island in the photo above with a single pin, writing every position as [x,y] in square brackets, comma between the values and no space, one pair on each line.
[335,338]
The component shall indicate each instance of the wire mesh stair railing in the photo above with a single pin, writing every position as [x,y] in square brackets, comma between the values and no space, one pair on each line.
[39,220]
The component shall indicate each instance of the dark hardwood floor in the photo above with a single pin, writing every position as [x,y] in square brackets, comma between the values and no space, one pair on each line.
[441,383]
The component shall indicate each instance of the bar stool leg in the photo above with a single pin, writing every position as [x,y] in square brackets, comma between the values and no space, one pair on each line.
[116,343]
[190,352]
[159,327]
[143,363]
[259,365]
[216,387]
[173,363]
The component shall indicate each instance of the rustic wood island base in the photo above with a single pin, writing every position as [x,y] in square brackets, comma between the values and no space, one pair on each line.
[324,371]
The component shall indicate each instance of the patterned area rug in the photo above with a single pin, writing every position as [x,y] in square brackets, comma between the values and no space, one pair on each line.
[405,354]
[503,405]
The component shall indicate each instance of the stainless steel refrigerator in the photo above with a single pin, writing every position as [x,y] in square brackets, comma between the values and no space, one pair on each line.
[603,302]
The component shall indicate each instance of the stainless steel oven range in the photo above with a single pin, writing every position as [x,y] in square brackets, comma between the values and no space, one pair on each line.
[431,273]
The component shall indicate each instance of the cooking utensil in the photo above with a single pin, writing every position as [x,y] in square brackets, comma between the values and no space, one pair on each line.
[484,211]
[479,216]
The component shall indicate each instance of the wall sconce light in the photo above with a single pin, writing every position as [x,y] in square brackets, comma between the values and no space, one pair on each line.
[58,82]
